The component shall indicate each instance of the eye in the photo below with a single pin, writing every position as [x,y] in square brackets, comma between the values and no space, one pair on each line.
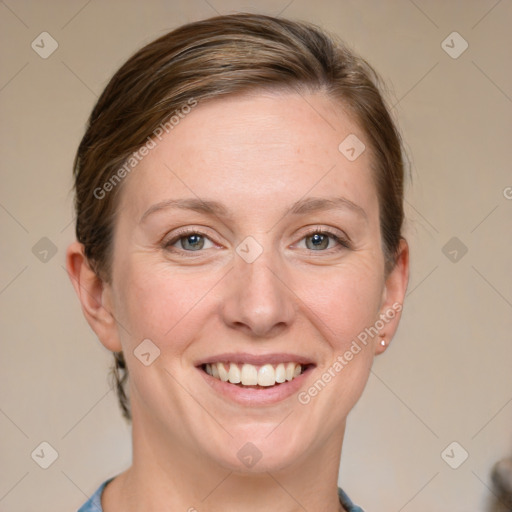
[190,241]
[322,240]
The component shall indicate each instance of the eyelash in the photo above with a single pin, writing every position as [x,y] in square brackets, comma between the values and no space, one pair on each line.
[343,243]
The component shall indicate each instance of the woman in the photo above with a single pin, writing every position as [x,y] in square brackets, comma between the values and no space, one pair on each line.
[239,196]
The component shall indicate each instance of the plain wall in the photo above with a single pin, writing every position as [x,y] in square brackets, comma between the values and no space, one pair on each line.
[447,374]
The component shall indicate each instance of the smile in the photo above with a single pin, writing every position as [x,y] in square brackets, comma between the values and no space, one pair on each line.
[246,374]
[254,380]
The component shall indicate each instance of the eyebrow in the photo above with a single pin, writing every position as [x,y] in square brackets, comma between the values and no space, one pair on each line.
[314,204]
[301,207]
[198,205]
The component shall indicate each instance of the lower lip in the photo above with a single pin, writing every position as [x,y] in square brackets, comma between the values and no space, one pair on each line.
[257,396]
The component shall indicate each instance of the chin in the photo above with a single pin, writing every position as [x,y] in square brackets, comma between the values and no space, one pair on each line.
[260,453]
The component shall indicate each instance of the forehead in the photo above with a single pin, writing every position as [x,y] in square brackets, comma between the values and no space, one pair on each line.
[254,148]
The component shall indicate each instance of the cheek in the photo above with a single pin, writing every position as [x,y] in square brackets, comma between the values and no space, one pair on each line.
[344,302]
[158,304]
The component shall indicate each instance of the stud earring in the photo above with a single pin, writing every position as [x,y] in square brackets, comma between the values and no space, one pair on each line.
[383,343]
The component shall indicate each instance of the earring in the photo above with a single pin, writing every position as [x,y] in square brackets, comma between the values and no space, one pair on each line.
[383,343]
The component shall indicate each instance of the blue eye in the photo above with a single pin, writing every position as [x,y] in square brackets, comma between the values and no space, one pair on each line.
[192,242]
[321,240]
[318,241]
[189,241]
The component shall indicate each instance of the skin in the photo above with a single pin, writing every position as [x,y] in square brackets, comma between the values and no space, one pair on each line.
[258,154]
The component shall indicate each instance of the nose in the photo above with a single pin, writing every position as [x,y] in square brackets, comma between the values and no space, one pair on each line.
[258,300]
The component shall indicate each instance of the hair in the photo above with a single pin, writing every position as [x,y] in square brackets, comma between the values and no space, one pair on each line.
[208,59]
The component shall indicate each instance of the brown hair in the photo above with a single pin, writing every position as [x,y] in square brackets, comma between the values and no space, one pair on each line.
[208,59]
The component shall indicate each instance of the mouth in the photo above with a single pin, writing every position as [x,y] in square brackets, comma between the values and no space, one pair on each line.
[255,380]
[247,375]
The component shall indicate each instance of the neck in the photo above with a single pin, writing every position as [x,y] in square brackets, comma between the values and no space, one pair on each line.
[167,476]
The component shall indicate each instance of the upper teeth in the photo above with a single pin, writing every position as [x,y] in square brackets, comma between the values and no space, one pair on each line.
[250,375]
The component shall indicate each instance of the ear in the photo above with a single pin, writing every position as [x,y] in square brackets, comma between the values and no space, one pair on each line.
[94,295]
[393,297]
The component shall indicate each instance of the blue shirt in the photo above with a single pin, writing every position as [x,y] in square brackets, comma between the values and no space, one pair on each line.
[93,504]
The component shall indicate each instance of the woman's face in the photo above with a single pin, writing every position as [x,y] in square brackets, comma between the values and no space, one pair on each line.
[246,235]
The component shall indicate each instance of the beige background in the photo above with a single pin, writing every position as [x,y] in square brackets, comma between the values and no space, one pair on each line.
[447,375]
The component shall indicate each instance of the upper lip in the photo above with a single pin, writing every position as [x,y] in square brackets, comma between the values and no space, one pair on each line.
[255,359]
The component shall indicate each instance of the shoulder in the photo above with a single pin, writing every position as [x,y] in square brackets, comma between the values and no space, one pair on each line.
[347,503]
[93,504]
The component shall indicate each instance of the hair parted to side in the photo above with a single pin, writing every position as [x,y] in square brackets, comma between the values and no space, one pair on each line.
[212,58]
